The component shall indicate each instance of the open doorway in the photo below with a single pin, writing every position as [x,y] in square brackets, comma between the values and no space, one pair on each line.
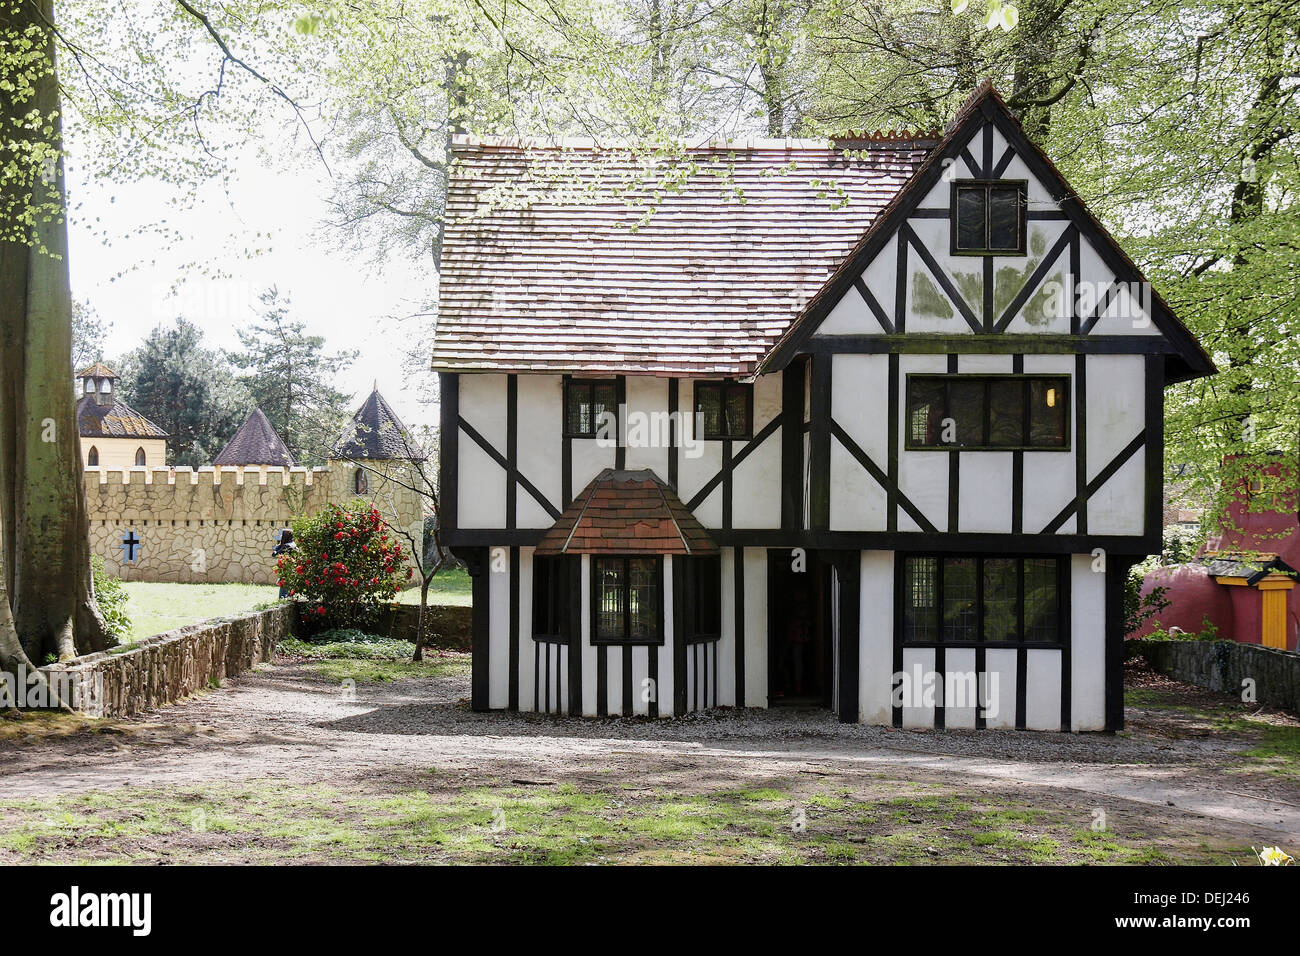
[798,629]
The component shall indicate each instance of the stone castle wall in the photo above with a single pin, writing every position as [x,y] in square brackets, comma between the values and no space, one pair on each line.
[218,525]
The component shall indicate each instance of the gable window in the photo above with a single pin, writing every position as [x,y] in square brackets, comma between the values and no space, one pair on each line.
[92,457]
[704,597]
[586,403]
[550,601]
[977,599]
[139,457]
[988,412]
[726,409]
[988,217]
[626,595]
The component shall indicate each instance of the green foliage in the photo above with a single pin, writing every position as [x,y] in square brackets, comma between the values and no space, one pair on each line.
[348,565]
[186,389]
[1180,544]
[112,599]
[290,377]
[89,334]
[1140,608]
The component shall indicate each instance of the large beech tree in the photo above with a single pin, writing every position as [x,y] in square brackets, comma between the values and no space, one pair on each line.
[46,555]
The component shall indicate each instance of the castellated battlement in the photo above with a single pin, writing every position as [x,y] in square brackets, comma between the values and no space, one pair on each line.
[217,524]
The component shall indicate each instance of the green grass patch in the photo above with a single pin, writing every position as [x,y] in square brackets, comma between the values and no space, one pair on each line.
[156,608]
[435,664]
[438,818]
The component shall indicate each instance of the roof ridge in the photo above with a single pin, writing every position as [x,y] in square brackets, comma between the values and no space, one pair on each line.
[715,144]
[591,493]
[671,515]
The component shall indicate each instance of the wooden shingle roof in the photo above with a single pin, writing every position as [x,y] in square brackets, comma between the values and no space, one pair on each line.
[566,258]
[627,512]
[256,443]
[114,420]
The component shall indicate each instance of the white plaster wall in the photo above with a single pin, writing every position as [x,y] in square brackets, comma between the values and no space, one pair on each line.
[540,404]
[917,715]
[664,687]
[526,644]
[647,448]
[755,627]
[876,638]
[1116,415]
[1087,645]
[1049,475]
[756,481]
[1000,671]
[498,632]
[1043,690]
[961,661]
[859,391]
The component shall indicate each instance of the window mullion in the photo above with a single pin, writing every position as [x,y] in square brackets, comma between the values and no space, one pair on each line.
[979,599]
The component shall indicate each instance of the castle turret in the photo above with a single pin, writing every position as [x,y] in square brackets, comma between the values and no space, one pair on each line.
[113,434]
[256,443]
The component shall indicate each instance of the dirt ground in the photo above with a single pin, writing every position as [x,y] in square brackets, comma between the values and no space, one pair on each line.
[287,764]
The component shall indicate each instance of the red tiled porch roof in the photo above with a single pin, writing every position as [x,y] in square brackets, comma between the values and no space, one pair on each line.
[627,512]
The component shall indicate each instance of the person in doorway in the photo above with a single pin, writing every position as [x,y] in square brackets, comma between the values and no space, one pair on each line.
[284,545]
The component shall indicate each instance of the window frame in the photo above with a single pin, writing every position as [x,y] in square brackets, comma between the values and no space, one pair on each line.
[1021,185]
[627,640]
[1063,571]
[724,386]
[590,384]
[1026,378]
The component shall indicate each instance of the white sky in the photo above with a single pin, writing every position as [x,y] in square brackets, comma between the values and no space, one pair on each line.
[339,294]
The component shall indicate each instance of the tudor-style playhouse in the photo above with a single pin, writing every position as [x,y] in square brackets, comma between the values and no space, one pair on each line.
[809,422]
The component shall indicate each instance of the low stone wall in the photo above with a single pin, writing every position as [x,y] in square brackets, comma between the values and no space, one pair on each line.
[170,666]
[446,626]
[1224,665]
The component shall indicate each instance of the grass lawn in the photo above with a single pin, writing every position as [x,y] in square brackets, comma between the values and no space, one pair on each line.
[156,608]
[441,819]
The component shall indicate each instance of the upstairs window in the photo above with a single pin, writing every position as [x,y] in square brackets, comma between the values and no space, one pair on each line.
[993,599]
[361,483]
[627,598]
[139,458]
[988,412]
[586,403]
[92,457]
[726,409]
[989,217]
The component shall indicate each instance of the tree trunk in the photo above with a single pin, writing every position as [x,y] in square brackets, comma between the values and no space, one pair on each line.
[42,498]
[419,618]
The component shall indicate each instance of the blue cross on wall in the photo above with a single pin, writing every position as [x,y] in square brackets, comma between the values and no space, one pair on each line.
[130,546]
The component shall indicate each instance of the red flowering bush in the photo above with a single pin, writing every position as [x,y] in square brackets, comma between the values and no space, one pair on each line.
[348,565]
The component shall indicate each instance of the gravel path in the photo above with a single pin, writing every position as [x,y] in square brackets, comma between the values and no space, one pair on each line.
[284,722]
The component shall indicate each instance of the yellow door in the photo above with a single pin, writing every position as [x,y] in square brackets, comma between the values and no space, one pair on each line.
[1274,617]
